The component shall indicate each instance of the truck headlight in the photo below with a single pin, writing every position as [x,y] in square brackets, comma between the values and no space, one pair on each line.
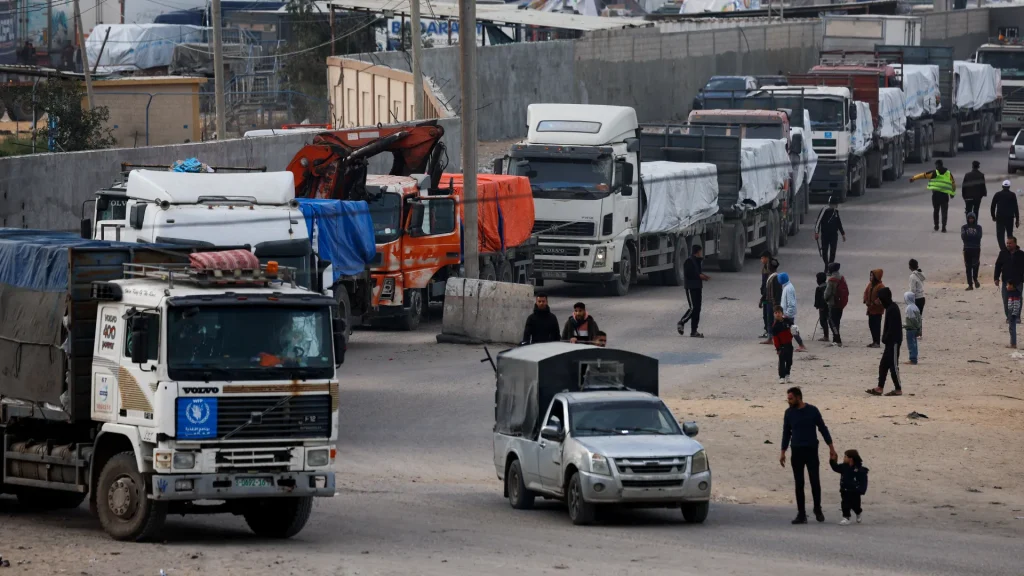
[699,462]
[162,459]
[318,458]
[184,460]
[600,256]
[599,465]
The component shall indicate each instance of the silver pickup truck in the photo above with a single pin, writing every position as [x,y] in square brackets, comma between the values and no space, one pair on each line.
[605,438]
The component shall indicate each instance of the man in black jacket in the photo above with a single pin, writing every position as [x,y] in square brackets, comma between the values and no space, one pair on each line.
[970,233]
[1009,267]
[541,326]
[580,327]
[892,337]
[973,189]
[1005,213]
[828,228]
[693,281]
[800,427]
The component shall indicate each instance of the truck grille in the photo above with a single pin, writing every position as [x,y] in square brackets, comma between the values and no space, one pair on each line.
[558,251]
[651,483]
[1013,94]
[827,142]
[648,466]
[255,459]
[296,417]
[556,265]
[567,228]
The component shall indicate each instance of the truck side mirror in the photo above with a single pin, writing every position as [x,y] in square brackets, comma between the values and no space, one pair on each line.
[632,144]
[498,167]
[690,429]
[86,229]
[339,327]
[140,340]
[798,143]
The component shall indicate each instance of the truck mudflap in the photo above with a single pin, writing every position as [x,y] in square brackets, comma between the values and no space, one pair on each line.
[232,486]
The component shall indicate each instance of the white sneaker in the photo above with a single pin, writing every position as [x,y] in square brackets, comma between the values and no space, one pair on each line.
[858,518]
[782,380]
[844,522]
[787,379]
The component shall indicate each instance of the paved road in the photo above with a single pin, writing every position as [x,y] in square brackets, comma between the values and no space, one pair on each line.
[418,493]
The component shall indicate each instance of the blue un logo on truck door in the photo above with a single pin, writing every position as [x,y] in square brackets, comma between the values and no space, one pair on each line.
[197,418]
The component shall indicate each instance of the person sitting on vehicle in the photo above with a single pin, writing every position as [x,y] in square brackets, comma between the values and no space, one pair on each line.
[542,325]
[580,327]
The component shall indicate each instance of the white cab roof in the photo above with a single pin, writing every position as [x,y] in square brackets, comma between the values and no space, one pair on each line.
[276,188]
[579,125]
[811,91]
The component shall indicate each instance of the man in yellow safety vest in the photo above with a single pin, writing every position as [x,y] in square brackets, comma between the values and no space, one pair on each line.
[943,187]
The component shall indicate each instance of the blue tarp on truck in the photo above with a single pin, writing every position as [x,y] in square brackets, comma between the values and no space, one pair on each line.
[344,233]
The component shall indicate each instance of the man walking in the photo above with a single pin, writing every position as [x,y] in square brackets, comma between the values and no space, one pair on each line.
[917,287]
[829,227]
[1009,268]
[580,327]
[766,311]
[693,281]
[800,427]
[892,338]
[943,187]
[1005,213]
[772,292]
[973,189]
[789,309]
[970,233]
[837,295]
[542,325]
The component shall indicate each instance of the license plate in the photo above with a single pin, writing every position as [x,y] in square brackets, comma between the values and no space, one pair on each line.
[254,483]
[555,275]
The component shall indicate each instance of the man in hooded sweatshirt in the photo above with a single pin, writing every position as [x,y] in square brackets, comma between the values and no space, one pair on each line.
[943,187]
[917,287]
[772,291]
[892,337]
[973,189]
[837,294]
[789,308]
[970,233]
[1005,213]
[580,327]
[542,325]
[874,306]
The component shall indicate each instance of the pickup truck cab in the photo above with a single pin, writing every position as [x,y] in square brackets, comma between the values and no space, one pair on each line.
[600,441]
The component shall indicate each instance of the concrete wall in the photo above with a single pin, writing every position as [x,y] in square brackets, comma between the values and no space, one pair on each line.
[47,190]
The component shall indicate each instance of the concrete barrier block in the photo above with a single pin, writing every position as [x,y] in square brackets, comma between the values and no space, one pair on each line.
[481,311]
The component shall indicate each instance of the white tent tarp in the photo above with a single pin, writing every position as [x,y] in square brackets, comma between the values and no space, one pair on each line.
[132,47]
[892,113]
[678,195]
[765,167]
[979,84]
[921,89]
[865,128]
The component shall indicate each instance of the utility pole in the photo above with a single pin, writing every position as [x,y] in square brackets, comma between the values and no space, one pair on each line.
[467,53]
[85,55]
[218,71]
[417,54]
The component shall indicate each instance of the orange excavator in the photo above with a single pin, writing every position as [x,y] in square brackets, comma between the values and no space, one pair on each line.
[417,214]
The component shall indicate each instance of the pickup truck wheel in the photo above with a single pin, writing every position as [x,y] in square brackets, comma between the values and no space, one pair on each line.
[43,499]
[696,512]
[620,285]
[123,507]
[581,512]
[518,495]
[278,517]
[413,312]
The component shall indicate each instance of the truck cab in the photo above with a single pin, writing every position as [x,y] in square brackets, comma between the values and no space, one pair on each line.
[1006,53]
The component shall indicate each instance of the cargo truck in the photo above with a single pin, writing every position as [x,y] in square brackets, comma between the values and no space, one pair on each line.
[153,381]
[1006,54]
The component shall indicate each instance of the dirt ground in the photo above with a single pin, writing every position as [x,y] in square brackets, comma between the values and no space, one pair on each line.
[962,463]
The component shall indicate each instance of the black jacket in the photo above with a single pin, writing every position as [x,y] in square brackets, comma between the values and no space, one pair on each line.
[829,224]
[572,329]
[971,235]
[1004,206]
[852,478]
[892,328]
[1011,266]
[973,187]
[692,269]
[541,326]
[819,297]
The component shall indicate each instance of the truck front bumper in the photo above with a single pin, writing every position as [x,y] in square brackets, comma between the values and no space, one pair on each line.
[829,178]
[610,490]
[232,486]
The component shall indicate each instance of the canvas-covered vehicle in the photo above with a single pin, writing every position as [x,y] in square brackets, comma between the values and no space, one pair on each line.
[585,425]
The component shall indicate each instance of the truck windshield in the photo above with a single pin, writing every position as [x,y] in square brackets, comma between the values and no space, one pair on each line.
[566,178]
[111,207]
[386,213]
[249,342]
[825,113]
[619,418]
[1011,63]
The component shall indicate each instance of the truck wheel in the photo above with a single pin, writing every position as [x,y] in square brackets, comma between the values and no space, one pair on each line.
[43,499]
[734,261]
[344,308]
[771,240]
[674,275]
[278,517]
[785,226]
[124,510]
[518,495]
[889,174]
[929,142]
[990,133]
[505,272]
[413,312]
[620,286]
[696,512]
[487,272]
[581,512]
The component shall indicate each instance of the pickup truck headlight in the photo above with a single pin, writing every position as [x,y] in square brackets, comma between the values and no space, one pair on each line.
[318,458]
[699,462]
[600,257]
[184,460]
[599,465]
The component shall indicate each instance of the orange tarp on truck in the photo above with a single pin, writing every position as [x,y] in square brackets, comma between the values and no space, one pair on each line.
[502,199]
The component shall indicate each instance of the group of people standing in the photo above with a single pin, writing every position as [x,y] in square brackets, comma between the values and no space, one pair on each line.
[580,327]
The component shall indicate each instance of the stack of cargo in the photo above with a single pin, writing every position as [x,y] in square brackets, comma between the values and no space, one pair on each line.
[892,112]
[920,89]
[765,167]
[678,195]
[978,86]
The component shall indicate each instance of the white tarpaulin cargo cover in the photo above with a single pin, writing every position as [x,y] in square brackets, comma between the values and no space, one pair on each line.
[678,194]
[133,47]
[921,89]
[892,113]
[979,84]
[809,158]
[864,129]
[765,167]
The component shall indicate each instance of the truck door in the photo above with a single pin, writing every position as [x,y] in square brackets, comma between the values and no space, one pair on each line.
[106,361]
[432,241]
[549,463]
[137,382]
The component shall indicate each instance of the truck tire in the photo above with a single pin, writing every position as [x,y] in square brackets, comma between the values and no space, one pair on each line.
[890,174]
[413,312]
[505,272]
[785,226]
[344,308]
[518,495]
[990,133]
[696,512]
[487,272]
[43,499]
[733,261]
[581,512]
[929,143]
[674,275]
[620,286]
[278,517]
[125,512]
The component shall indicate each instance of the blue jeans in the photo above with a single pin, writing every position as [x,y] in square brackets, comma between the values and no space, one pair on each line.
[912,345]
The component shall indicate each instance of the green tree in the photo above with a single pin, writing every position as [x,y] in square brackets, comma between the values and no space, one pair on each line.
[74,128]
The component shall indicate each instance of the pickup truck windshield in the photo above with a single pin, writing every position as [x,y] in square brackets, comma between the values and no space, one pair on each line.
[566,178]
[249,342]
[824,113]
[620,418]
[1011,63]
[386,213]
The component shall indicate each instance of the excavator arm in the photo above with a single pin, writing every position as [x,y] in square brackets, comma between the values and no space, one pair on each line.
[334,165]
